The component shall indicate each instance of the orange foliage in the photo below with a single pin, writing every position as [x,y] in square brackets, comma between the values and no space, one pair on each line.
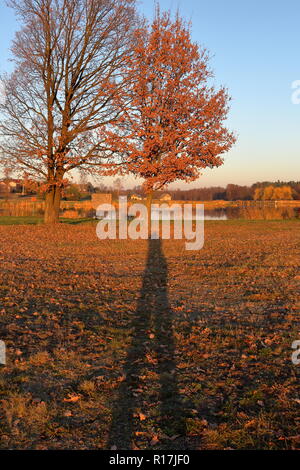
[174,126]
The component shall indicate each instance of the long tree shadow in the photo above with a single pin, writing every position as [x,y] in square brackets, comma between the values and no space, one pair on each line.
[151,354]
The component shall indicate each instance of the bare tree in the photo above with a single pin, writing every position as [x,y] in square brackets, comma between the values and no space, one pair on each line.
[70,60]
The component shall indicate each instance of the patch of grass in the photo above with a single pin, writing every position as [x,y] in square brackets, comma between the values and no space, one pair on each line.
[37,220]
[26,220]
[83,220]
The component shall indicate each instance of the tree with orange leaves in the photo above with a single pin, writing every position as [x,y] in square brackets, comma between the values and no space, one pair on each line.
[175,124]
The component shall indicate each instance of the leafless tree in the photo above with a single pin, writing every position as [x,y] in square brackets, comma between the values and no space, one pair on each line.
[70,60]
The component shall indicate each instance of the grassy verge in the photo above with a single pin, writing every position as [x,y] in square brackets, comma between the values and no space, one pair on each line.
[35,220]
[38,220]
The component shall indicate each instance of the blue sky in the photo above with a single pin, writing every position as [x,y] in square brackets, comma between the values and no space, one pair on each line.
[255,48]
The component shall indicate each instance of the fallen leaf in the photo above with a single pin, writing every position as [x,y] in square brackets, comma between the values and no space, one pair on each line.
[72,398]
[154,440]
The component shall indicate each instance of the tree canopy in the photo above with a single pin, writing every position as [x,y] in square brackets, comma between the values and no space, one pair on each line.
[175,125]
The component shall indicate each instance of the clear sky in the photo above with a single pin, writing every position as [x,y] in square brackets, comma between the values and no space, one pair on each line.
[255,48]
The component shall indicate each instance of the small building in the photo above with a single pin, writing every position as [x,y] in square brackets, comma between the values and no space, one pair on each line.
[11,185]
[165,197]
[135,197]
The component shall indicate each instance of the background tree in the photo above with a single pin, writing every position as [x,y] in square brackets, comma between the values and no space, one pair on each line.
[174,127]
[274,193]
[7,172]
[70,58]
[118,186]
[236,192]
[72,192]
[284,193]
[258,194]
[268,193]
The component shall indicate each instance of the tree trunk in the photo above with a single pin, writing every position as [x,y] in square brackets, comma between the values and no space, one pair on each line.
[148,205]
[52,205]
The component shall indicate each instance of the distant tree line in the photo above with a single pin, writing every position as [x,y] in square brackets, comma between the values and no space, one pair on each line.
[266,190]
[232,192]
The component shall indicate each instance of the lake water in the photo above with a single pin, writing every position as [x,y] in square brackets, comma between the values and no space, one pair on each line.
[254,213]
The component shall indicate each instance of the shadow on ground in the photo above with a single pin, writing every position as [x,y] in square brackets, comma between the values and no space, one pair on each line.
[151,353]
